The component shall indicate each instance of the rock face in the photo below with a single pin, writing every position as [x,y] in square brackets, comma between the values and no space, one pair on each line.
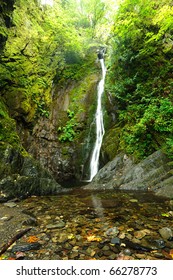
[56,142]
[22,176]
[153,173]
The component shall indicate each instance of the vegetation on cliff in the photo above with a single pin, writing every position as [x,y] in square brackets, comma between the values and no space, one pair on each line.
[140,75]
[44,44]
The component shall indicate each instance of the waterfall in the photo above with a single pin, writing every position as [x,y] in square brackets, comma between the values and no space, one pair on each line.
[94,162]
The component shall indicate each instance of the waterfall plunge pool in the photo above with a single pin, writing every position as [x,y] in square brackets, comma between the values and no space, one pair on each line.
[93,225]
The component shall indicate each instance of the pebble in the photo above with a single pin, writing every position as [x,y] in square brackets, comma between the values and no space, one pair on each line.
[160,244]
[105,248]
[127,252]
[74,254]
[107,253]
[141,233]
[112,231]
[116,241]
[89,251]
[6,218]
[133,200]
[60,224]
[10,204]
[140,256]
[166,233]
[54,240]
[112,257]
[122,235]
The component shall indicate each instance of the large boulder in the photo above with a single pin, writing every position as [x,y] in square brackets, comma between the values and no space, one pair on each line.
[21,176]
[151,174]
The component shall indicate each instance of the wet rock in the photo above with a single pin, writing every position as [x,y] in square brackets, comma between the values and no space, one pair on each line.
[127,252]
[60,224]
[105,248]
[141,233]
[58,249]
[6,218]
[63,238]
[133,200]
[107,253]
[152,173]
[26,247]
[24,176]
[158,255]
[122,235]
[154,244]
[89,251]
[166,233]
[112,231]
[31,221]
[160,244]
[136,246]
[74,254]
[112,256]
[115,249]
[116,241]
[140,256]
[10,204]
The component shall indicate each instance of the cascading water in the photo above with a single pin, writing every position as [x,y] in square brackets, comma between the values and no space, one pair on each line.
[94,162]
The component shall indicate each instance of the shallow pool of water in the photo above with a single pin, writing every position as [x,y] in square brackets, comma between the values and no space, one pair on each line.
[100,225]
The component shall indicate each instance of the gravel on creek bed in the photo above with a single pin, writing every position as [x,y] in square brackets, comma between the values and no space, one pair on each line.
[84,225]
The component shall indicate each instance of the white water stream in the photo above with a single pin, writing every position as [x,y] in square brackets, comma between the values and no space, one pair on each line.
[94,162]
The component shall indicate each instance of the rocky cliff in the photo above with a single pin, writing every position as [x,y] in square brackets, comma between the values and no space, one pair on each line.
[48,94]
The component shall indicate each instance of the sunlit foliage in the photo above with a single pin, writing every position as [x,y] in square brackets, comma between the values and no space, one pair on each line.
[140,75]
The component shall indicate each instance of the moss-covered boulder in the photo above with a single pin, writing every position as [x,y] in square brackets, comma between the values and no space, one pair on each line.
[110,145]
[21,175]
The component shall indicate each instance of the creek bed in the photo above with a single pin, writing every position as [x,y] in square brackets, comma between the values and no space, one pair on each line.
[90,225]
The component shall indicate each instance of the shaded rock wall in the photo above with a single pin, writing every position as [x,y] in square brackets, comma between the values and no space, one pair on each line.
[21,176]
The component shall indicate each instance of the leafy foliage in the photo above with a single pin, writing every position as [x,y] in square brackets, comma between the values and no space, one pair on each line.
[40,44]
[68,132]
[140,75]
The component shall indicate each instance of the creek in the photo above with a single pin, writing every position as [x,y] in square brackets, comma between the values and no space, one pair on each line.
[89,225]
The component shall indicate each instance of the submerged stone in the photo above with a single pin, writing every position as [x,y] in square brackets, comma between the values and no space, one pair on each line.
[60,224]
[26,247]
[112,231]
[116,241]
[10,204]
[166,233]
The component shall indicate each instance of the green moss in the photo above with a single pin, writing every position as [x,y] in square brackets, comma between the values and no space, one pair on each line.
[8,134]
[82,94]
[110,144]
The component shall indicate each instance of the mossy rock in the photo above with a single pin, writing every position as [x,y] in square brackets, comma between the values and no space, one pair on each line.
[110,144]
[8,133]
[21,176]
